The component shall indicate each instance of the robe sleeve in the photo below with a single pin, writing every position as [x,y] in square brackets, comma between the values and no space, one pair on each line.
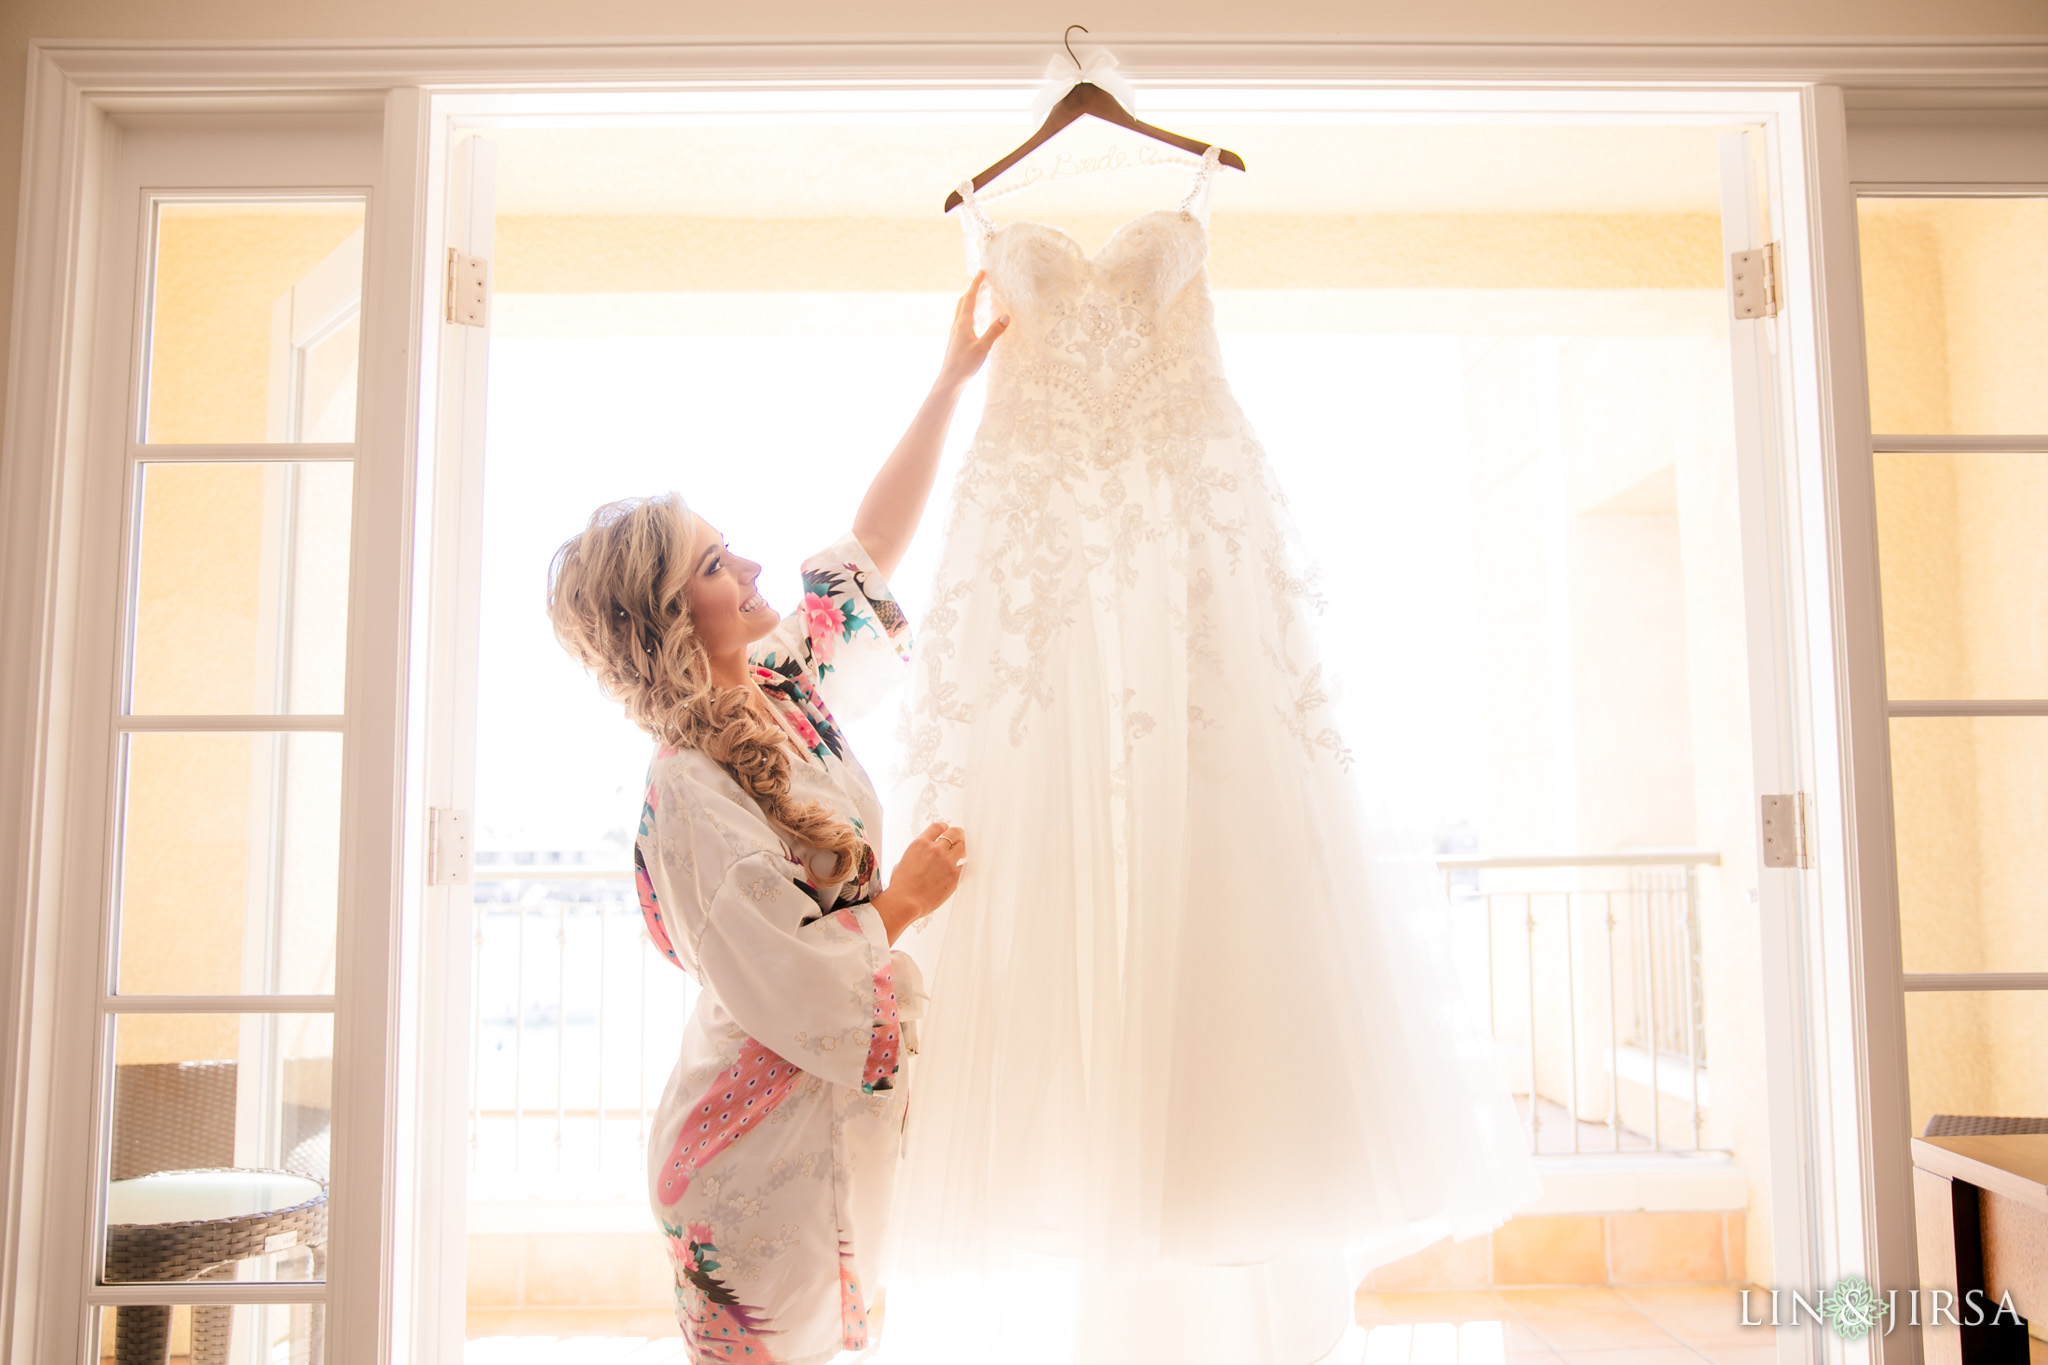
[849,634]
[817,989]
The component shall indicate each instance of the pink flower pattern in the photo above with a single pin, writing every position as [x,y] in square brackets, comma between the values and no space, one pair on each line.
[824,622]
[717,1326]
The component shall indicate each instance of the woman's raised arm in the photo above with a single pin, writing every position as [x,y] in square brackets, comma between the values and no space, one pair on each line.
[894,504]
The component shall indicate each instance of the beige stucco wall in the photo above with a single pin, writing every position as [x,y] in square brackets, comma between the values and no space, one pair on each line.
[1955,298]
[219,275]
[645,254]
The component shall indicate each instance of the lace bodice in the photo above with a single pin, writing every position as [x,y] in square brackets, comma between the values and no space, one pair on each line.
[1143,289]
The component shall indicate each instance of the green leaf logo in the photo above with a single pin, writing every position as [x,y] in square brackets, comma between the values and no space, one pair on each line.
[1853,1308]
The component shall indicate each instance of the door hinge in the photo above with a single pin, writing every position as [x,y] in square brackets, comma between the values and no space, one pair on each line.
[1757,282]
[447,847]
[1785,843]
[469,289]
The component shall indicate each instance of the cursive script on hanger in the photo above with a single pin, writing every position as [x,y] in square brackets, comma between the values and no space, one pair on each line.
[1068,164]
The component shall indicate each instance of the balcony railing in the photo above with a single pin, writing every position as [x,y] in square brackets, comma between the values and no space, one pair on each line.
[577,1022]
[1591,978]
[1594,992]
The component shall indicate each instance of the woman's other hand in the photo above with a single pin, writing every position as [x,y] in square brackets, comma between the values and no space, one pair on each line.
[925,876]
[964,350]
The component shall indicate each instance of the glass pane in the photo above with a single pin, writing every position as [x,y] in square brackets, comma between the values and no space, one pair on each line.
[220,1151]
[327,378]
[241,588]
[241,292]
[1971,817]
[1955,314]
[1965,572]
[273,1333]
[1977,1053]
[230,855]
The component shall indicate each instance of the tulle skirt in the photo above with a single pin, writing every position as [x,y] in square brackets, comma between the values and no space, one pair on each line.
[1198,1052]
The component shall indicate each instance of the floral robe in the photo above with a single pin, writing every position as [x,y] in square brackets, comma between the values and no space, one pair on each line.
[775,1144]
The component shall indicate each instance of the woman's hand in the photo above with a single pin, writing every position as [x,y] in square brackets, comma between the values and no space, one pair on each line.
[964,350]
[889,513]
[925,876]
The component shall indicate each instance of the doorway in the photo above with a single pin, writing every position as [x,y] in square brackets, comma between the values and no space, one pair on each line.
[1490,360]
[398,1013]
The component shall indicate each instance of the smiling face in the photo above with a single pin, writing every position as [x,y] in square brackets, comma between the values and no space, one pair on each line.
[726,610]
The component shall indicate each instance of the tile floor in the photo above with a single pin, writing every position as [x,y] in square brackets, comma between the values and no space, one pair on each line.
[1648,1325]
[1670,1325]
[573,1350]
[537,1337]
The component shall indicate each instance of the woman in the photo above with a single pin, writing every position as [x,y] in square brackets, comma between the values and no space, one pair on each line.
[775,1144]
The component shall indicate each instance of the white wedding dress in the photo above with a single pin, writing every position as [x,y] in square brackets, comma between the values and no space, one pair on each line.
[1197,1053]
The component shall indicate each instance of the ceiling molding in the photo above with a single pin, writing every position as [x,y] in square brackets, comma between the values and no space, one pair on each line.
[1989,68]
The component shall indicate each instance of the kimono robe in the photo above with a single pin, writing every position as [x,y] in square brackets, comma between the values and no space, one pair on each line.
[775,1144]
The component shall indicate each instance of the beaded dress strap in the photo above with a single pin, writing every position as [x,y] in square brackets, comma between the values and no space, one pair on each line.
[973,220]
[1196,205]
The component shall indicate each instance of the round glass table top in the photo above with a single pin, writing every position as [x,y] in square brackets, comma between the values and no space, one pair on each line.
[195,1196]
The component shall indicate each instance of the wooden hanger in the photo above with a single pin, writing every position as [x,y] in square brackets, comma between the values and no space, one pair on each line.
[1089,98]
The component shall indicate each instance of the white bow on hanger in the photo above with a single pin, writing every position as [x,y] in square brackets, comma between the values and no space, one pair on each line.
[1098,67]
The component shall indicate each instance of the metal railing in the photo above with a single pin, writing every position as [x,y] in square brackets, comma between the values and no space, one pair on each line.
[1670,1006]
[1609,962]
[576,1023]
[578,1020]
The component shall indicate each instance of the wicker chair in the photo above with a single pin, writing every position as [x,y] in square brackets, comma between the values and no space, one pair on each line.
[180,1116]
[1981,1125]
[173,1116]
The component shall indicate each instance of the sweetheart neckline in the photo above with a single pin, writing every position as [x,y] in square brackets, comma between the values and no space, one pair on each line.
[1125,226]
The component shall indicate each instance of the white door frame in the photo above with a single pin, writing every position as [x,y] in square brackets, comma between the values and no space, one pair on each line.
[1848,1156]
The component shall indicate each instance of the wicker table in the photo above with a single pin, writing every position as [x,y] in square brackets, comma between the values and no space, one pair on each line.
[193,1225]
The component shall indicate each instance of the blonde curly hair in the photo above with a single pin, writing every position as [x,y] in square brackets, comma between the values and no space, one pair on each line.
[615,599]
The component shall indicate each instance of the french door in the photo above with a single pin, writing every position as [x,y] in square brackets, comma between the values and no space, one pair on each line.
[233,739]
[1951,226]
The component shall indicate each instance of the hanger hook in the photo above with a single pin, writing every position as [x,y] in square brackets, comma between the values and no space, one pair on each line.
[1067,38]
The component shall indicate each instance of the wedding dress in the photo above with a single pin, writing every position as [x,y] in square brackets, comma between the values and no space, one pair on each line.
[1197,1053]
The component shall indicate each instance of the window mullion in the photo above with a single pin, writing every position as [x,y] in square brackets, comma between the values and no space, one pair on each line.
[218,1004]
[1888,444]
[243,453]
[236,724]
